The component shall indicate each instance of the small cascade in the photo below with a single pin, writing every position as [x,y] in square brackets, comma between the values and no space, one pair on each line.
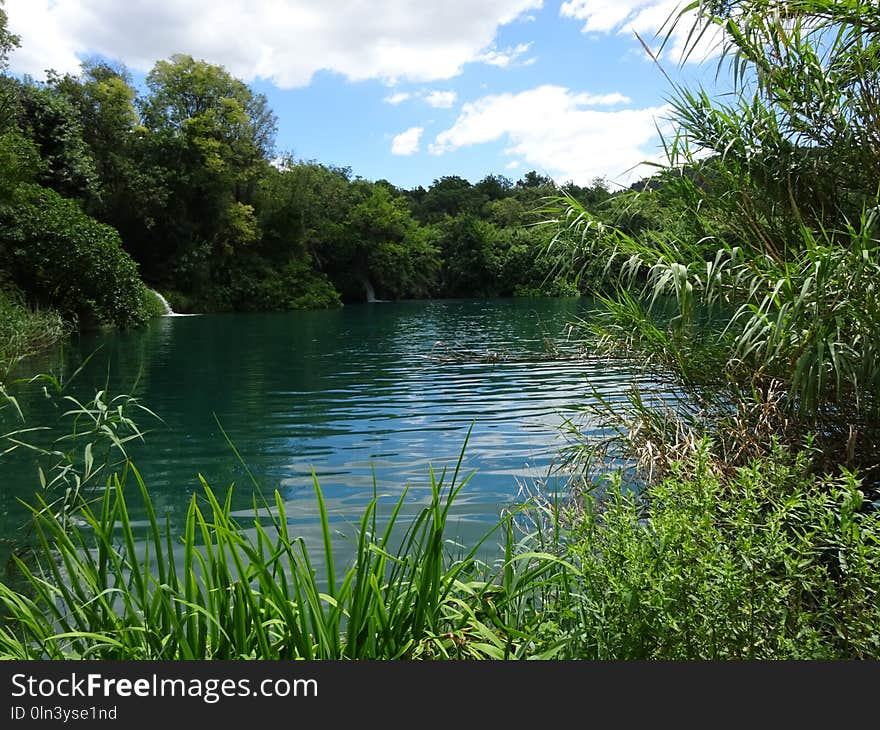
[371,293]
[169,312]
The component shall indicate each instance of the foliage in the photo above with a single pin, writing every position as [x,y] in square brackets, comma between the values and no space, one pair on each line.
[234,596]
[768,563]
[63,259]
[185,173]
[19,161]
[153,306]
[54,126]
[294,285]
[766,232]
[24,331]
[8,41]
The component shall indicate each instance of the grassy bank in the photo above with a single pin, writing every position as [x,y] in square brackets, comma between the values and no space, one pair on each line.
[765,561]
[24,331]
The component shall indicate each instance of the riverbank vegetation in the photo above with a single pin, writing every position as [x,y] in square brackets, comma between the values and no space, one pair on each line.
[764,563]
[773,257]
[744,523]
[183,179]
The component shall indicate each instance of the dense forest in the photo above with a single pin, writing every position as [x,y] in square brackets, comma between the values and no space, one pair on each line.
[184,181]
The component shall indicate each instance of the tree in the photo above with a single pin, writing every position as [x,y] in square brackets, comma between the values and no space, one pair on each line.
[62,258]
[470,255]
[8,40]
[104,98]
[211,135]
[302,208]
[449,196]
[494,187]
[194,97]
[533,179]
[54,125]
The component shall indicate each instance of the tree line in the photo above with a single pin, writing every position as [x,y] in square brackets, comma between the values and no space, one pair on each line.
[102,187]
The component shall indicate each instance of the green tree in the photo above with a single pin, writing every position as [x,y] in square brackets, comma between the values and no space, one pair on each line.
[449,196]
[302,210]
[381,246]
[494,187]
[62,258]
[212,136]
[54,124]
[8,43]
[470,256]
[8,40]
[105,99]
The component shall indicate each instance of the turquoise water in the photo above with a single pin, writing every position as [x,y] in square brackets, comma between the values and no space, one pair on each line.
[382,391]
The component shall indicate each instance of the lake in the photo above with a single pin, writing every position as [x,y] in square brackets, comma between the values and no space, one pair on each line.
[378,391]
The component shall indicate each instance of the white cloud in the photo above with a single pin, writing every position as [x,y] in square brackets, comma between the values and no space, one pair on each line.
[407,143]
[505,57]
[612,99]
[512,165]
[286,42]
[397,98]
[437,99]
[648,18]
[557,130]
[441,99]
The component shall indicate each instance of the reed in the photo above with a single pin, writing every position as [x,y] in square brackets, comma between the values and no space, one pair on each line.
[104,590]
[758,562]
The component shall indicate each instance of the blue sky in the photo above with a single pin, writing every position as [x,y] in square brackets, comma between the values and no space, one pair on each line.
[406,91]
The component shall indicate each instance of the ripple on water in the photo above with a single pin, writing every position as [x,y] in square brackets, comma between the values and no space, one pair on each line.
[355,395]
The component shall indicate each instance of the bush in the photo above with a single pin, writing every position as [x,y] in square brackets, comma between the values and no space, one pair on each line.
[295,285]
[770,563]
[62,258]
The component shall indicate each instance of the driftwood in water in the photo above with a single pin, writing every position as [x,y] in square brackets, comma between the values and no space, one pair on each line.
[445,353]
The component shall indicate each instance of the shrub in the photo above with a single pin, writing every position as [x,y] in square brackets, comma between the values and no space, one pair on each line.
[295,285]
[769,563]
[62,258]
[153,306]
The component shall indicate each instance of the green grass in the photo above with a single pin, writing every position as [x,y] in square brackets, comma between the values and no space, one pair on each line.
[103,591]
[24,331]
[766,562]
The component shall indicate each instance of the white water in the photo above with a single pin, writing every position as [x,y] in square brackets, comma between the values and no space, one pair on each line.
[371,293]
[169,312]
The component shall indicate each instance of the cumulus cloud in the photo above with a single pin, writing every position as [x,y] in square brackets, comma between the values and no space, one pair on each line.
[645,17]
[407,143]
[505,57]
[441,99]
[285,42]
[555,129]
[398,98]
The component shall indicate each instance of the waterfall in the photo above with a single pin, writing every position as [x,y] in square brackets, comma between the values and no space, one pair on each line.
[371,293]
[169,312]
